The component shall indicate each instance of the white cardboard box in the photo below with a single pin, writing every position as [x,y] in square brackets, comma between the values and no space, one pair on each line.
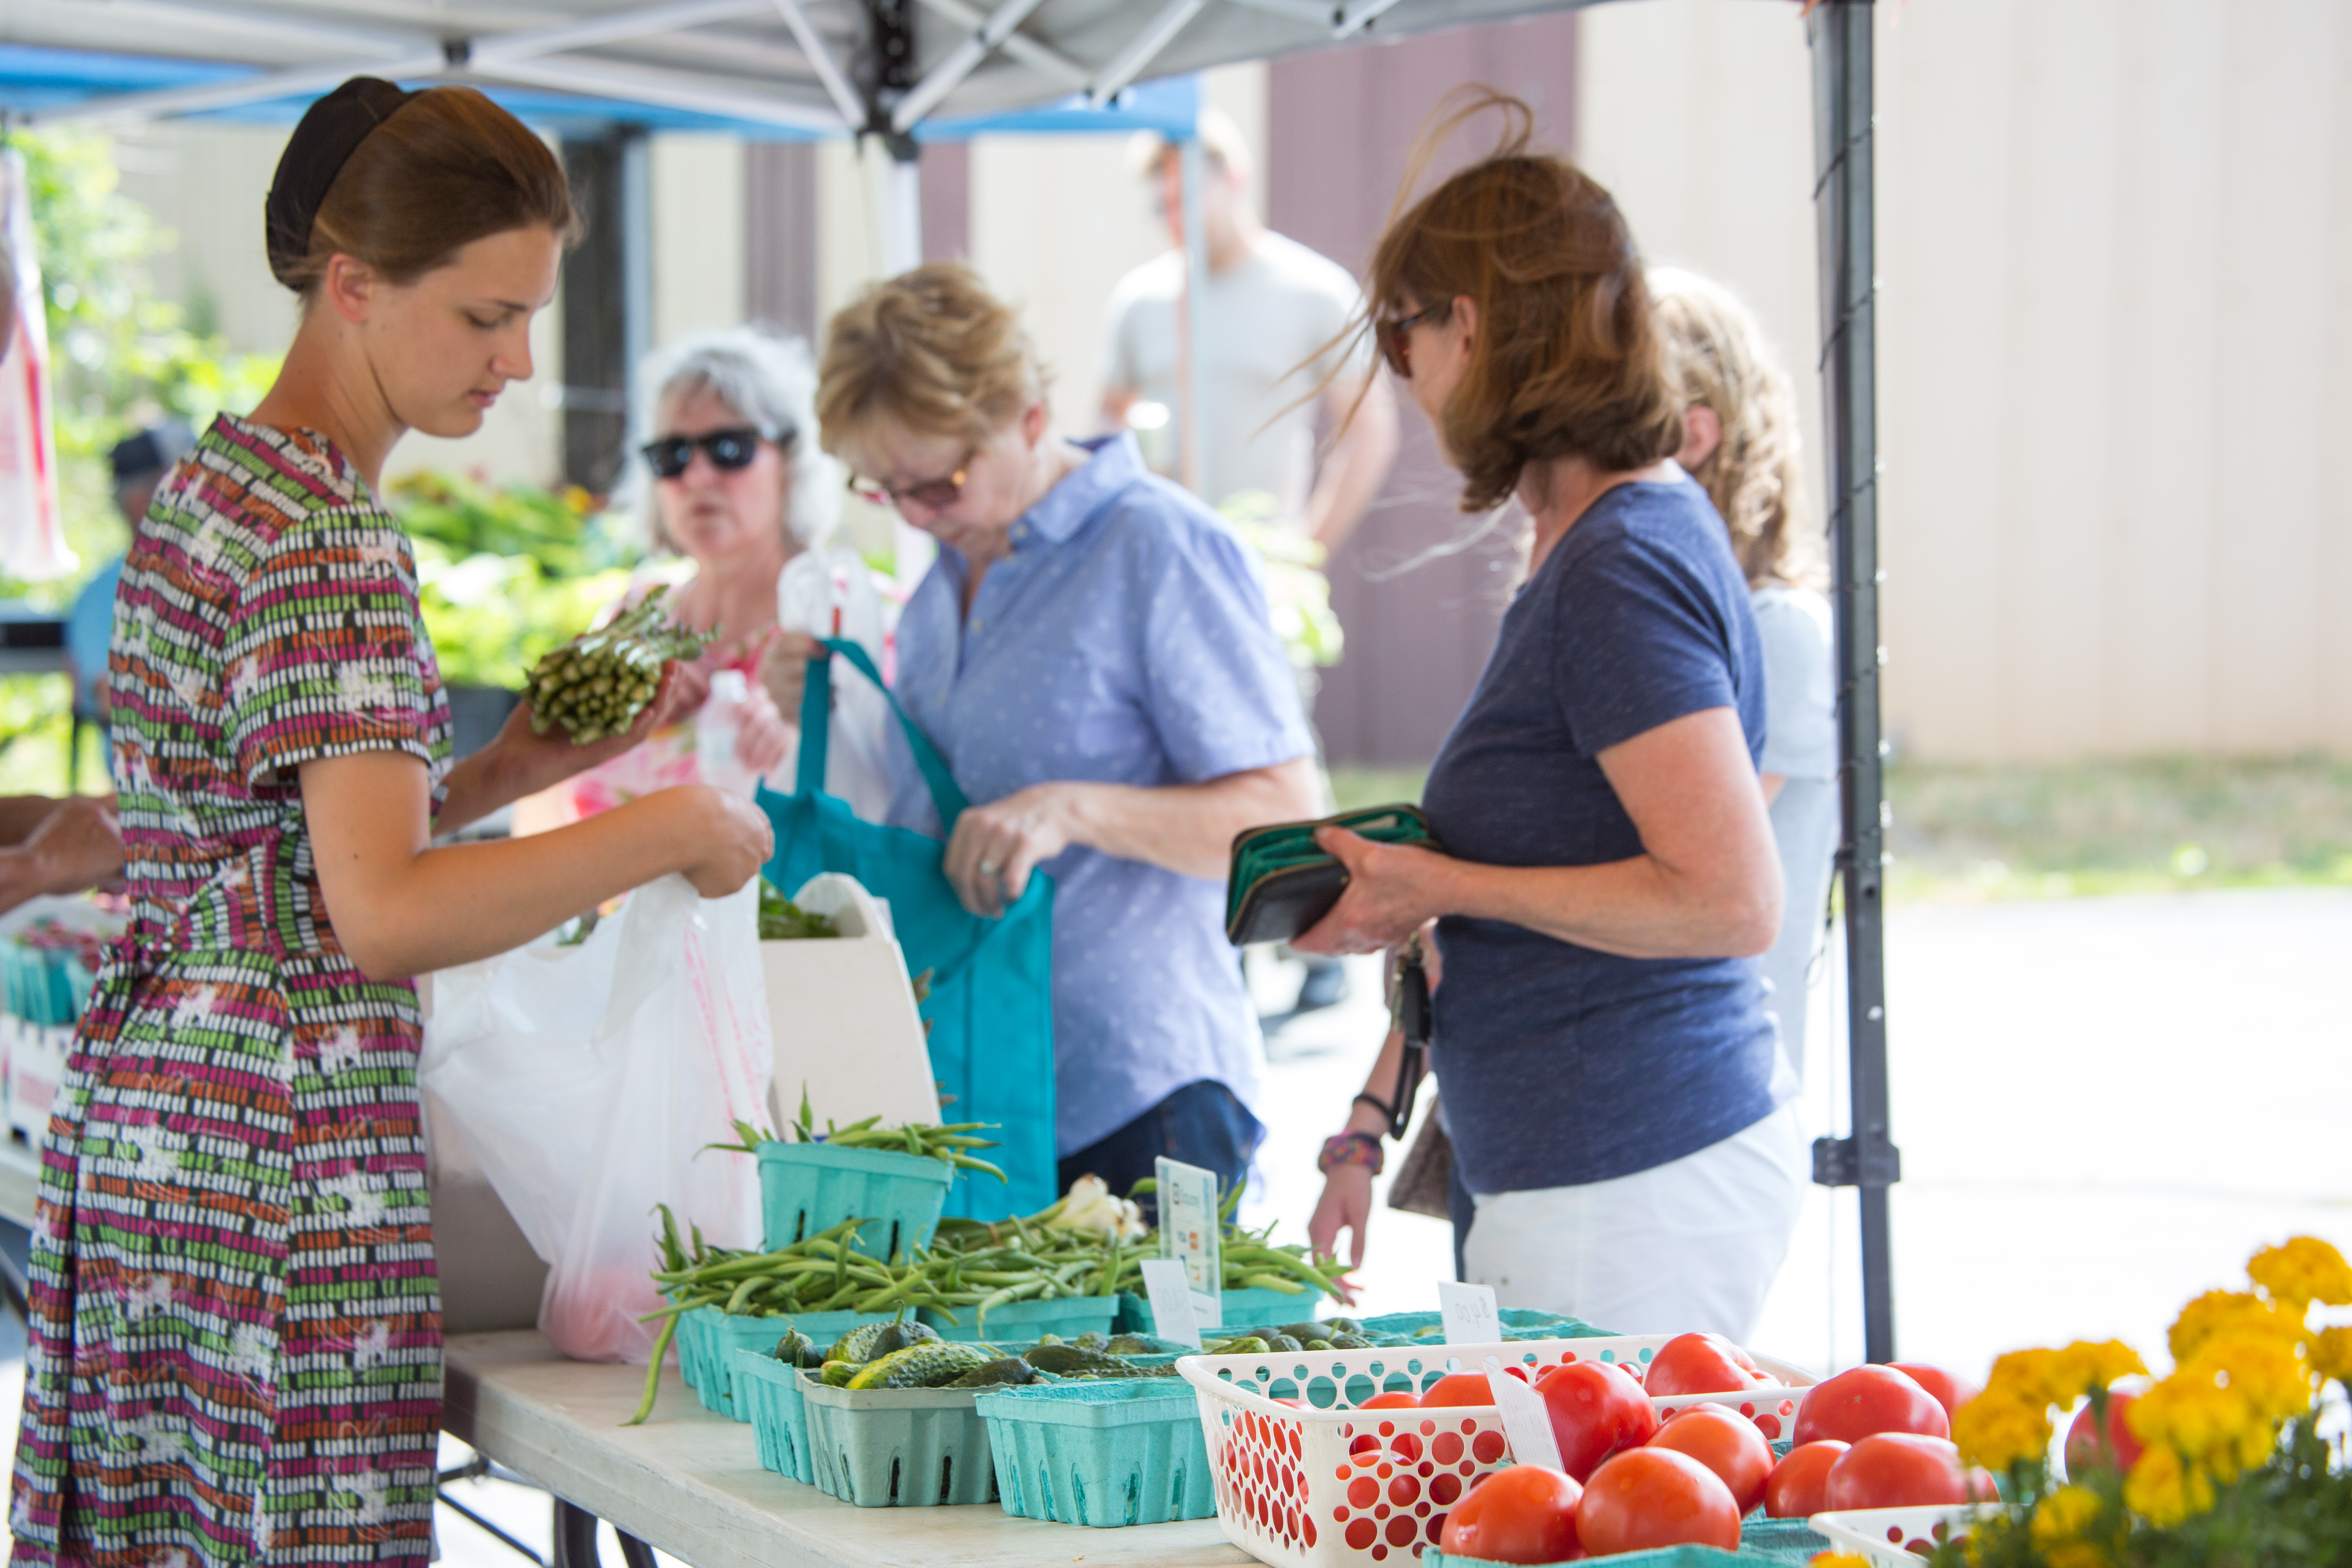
[844,1017]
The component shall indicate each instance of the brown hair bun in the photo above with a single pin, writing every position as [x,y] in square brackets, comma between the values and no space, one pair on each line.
[403,181]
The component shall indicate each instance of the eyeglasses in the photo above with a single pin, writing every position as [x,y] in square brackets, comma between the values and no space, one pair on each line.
[1396,338]
[728,450]
[931,495]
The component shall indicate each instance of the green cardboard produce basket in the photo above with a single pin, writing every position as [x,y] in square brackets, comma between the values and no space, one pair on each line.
[897,1447]
[1067,1316]
[1790,1543]
[806,1189]
[1106,1453]
[1242,1310]
[768,1396]
[1518,1323]
[707,1339]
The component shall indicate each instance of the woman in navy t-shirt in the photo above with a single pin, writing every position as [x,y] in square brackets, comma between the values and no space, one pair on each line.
[1609,869]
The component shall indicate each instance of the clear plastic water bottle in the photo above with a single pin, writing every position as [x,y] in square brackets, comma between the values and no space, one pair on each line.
[715,729]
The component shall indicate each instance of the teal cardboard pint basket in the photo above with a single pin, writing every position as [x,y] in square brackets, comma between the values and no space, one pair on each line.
[768,1395]
[806,1189]
[1114,1453]
[1026,1321]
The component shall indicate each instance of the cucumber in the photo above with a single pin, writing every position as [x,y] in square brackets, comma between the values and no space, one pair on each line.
[1346,1342]
[1282,1341]
[929,1364]
[1003,1371]
[901,1334]
[1068,1361]
[856,1346]
[796,1349]
[1247,1344]
[837,1373]
[1132,1344]
[1303,1332]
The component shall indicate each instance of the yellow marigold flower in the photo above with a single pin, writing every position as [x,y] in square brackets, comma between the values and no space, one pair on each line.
[2331,1355]
[2305,1270]
[2066,1515]
[2026,1376]
[2163,1490]
[579,502]
[1838,1560]
[1996,1429]
[2084,1366]
[2232,1313]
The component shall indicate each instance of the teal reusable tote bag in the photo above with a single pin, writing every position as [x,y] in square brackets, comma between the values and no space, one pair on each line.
[992,1001]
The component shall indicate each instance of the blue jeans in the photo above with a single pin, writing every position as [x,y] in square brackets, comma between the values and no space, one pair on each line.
[1203,1125]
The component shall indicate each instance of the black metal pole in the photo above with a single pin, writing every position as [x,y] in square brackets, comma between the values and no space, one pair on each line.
[1840,31]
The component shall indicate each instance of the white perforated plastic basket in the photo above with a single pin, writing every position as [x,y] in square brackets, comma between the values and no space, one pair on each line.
[1318,1484]
[1898,1536]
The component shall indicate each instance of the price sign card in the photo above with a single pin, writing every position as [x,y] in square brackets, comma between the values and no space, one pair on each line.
[1470,1315]
[1189,1232]
[1171,1303]
[1527,1421]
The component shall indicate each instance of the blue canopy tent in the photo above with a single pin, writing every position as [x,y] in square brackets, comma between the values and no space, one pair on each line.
[807,68]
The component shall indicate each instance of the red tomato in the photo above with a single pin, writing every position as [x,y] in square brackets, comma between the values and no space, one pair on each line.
[1950,1392]
[1652,1498]
[1796,1487]
[1699,1364]
[1390,1402]
[1523,1514]
[1867,1400]
[2121,1450]
[1897,1469]
[1725,1442]
[1596,1409]
[1458,1388]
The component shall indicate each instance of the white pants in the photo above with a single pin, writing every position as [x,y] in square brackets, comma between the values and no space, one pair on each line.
[1692,1244]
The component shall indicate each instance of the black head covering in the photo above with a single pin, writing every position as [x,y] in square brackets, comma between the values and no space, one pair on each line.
[330,131]
[151,450]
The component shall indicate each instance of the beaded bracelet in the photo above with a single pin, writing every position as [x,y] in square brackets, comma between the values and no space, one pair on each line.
[1352,1148]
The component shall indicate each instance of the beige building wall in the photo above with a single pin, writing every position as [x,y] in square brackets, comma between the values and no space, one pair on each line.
[2113,241]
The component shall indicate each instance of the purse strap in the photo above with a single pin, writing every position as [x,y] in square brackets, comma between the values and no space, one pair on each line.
[816,713]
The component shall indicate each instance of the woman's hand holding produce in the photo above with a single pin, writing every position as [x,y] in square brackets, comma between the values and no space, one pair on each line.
[1391,891]
[532,761]
[996,846]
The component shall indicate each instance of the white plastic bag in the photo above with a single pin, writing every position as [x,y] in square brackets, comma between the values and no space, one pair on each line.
[586,1079]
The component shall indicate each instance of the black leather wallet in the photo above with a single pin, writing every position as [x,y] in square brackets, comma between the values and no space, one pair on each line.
[1282,882]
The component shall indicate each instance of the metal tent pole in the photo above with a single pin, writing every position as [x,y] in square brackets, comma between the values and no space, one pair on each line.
[1840,31]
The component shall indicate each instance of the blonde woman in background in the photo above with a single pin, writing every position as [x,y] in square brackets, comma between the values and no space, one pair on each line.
[1740,443]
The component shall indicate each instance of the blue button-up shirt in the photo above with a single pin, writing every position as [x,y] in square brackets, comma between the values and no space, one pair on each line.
[1124,640]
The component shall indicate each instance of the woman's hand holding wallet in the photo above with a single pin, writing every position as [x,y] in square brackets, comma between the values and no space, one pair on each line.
[1391,892]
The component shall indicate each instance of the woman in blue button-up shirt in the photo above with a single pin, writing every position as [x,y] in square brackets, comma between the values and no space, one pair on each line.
[1093,657]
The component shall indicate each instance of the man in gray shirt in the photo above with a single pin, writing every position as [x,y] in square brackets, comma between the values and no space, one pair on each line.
[1270,310]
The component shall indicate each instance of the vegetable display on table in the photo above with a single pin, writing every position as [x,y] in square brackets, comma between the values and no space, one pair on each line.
[597,684]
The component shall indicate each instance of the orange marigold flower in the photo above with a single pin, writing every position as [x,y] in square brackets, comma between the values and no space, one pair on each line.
[2305,1270]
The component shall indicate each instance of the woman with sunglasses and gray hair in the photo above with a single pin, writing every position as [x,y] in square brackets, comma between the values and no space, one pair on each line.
[732,479]
[1093,655]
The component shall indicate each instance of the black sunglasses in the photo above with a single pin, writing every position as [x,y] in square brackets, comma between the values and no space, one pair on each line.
[1396,337]
[669,455]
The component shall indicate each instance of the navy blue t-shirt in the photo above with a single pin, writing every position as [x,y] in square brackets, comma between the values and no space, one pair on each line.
[1562,1065]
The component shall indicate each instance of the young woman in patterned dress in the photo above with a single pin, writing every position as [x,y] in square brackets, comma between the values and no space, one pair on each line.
[236,1344]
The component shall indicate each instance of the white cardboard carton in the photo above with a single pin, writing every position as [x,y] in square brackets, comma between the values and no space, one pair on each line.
[844,1014]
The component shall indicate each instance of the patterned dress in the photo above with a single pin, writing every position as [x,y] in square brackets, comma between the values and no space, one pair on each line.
[235,1348]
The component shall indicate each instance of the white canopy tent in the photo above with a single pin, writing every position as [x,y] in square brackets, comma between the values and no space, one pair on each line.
[832,68]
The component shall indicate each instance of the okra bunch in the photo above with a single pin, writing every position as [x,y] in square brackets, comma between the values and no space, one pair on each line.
[597,684]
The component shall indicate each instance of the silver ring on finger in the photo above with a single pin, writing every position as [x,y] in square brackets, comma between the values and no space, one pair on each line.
[990,868]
